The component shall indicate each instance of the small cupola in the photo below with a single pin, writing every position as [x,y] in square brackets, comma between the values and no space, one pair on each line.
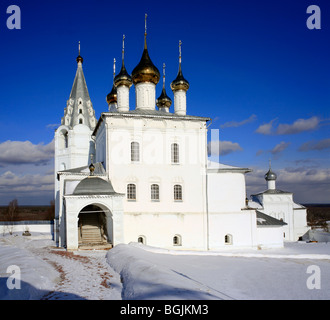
[180,83]
[164,101]
[79,58]
[180,87]
[271,177]
[123,78]
[112,96]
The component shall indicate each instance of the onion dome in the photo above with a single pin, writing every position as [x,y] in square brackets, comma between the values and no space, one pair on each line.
[180,83]
[163,101]
[79,58]
[112,96]
[123,78]
[145,71]
[270,175]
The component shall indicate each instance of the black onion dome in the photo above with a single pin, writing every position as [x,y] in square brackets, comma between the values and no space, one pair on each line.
[164,100]
[80,59]
[180,83]
[123,78]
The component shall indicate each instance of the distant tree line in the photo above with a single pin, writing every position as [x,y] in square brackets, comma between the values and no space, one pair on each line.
[14,212]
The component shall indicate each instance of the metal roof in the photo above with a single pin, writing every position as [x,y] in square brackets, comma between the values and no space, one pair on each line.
[94,186]
[272,191]
[266,220]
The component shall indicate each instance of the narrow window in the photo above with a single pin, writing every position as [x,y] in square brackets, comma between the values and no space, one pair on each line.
[131,191]
[175,153]
[135,151]
[66,140]
[80,121]
[142,239]
[155,192]
[228,239]
[177,240]
[177,192]
[80,111]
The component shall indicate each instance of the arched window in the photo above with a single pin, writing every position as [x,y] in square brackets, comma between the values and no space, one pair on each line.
[131,191]
[63,139]
[175,153]
[142,239]
[228,239]
[177,192]
[80,121]
[66,140]
[177,240]
[135,151]
[155,192]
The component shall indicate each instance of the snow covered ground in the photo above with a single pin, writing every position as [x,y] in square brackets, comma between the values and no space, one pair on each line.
[135,272]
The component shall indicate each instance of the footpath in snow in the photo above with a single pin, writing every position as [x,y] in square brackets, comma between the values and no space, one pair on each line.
[50,273]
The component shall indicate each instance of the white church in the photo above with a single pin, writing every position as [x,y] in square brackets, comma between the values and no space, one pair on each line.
[142,174]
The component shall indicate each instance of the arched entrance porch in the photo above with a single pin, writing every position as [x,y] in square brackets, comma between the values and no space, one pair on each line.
[95,226]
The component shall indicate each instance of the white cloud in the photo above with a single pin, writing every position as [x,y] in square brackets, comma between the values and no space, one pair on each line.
[236,124]
[315,145]
[298,126]
[266,128]
[280,147]
[216,148]
[25,152]
[10,181]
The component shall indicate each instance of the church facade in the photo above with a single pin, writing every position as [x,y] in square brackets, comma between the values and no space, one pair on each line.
[142,174]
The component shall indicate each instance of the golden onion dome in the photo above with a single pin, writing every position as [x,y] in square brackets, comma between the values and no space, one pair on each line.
[145,71]
[112,96]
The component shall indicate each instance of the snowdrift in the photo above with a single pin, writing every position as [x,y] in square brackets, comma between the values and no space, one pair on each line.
[37,277]
[144,281]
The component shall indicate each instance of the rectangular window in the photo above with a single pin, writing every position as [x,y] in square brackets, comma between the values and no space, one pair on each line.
[177,192]
[155,192]
[135,152]
[131,192]
[175,153]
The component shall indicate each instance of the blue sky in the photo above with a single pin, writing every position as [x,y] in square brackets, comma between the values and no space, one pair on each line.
[253,67]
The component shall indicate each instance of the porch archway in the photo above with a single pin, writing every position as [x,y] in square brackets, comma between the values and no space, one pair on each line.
[95,226]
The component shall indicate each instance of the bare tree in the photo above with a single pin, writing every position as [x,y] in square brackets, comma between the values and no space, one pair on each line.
[12,210]
[11,213]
